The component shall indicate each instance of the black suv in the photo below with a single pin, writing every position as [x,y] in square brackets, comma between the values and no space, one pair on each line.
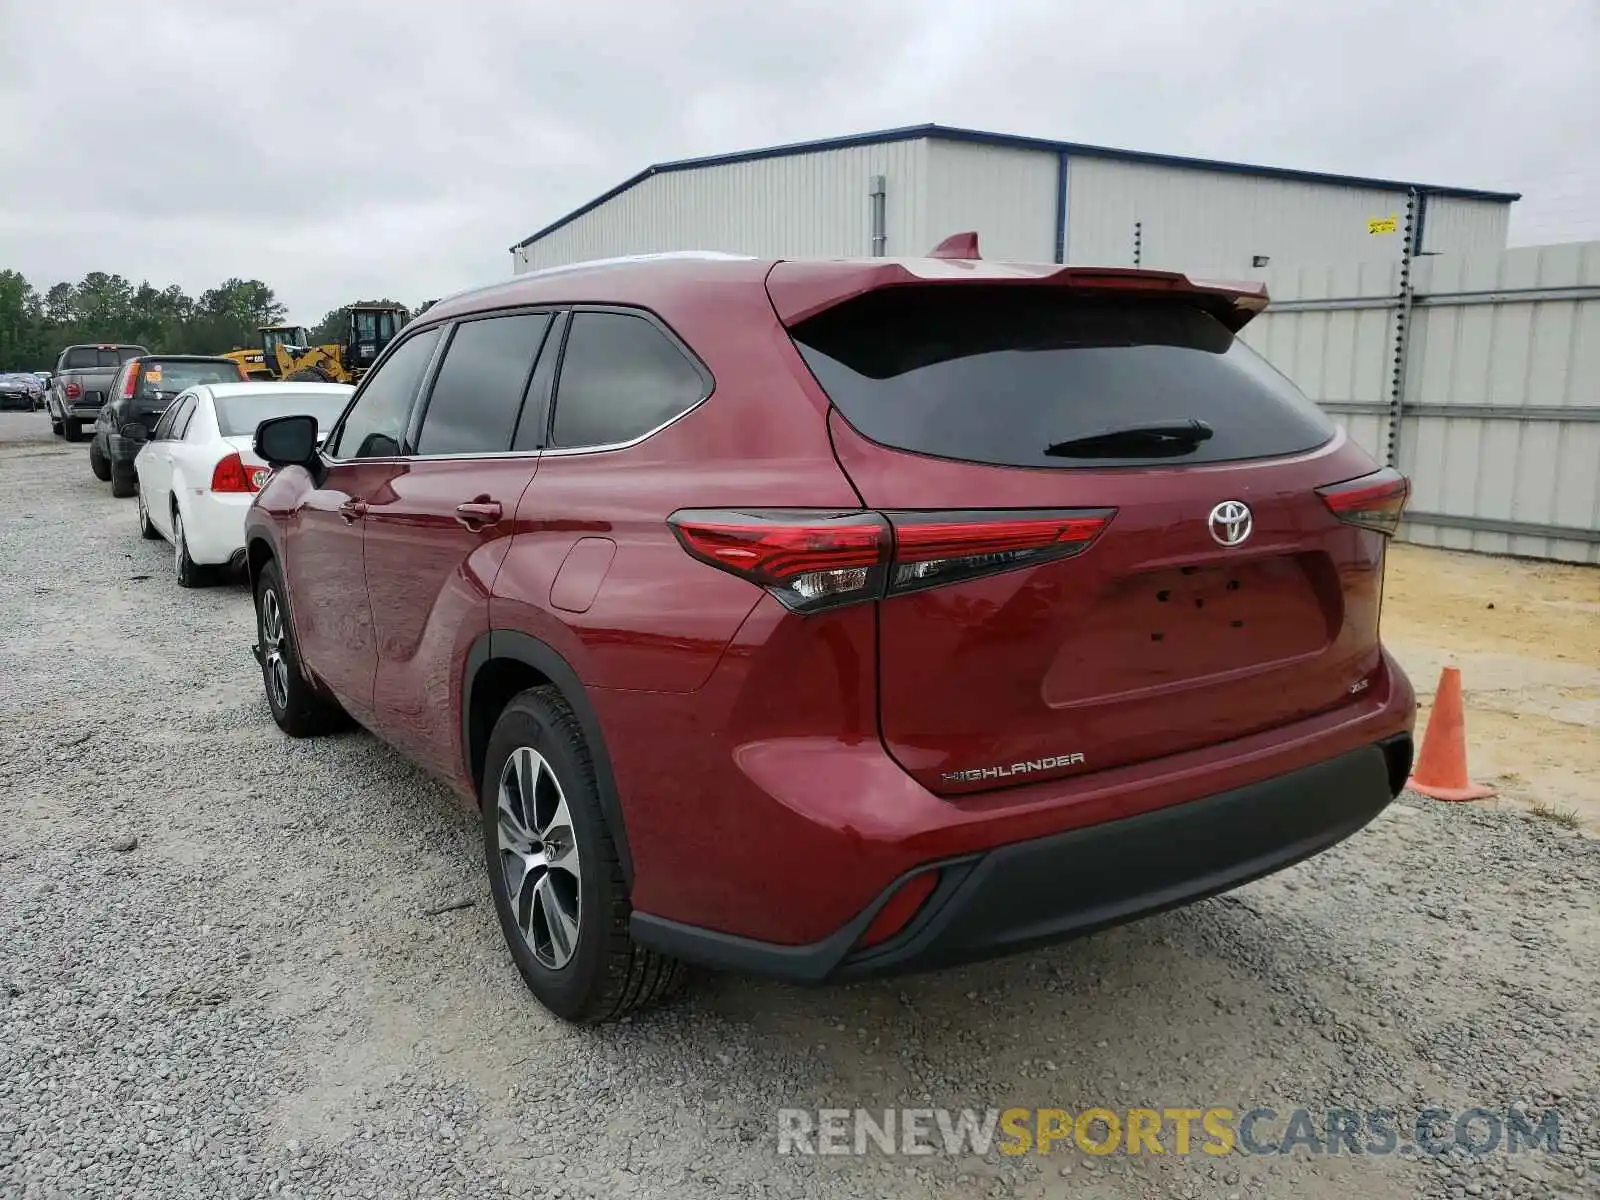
[139,394]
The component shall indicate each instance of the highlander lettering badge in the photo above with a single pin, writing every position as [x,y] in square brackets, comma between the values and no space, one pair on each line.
[1021,768]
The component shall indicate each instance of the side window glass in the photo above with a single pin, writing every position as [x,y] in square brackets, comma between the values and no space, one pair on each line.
[478,392]
[163,429]
[180,423]
[375,426]
[621,377]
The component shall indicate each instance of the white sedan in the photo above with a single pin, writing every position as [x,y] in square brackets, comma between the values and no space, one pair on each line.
[197,473]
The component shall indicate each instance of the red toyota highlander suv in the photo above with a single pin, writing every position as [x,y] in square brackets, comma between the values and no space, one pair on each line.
[829,619]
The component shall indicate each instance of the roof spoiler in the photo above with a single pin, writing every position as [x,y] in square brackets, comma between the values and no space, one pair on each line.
[802,289]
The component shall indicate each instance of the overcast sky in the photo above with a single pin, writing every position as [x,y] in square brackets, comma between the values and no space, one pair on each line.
[360,148]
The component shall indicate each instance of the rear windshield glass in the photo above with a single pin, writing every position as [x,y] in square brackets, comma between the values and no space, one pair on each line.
[82,358]
[169,378]
[1002,375]
[238,416]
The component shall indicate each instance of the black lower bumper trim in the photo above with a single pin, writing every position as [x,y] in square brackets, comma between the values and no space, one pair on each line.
[1047,890]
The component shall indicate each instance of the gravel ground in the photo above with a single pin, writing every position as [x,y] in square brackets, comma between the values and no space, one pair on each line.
[261,995]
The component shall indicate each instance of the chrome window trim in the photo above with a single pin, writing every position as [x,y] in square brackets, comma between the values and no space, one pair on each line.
[446,328]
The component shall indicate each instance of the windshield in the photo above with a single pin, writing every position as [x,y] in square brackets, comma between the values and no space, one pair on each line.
[374,326]
[170,378]
[271,339]
[238,416]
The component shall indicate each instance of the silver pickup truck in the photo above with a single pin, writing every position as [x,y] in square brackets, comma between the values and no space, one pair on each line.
[78,389]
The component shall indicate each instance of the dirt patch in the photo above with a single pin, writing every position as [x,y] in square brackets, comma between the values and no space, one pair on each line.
[1526,636]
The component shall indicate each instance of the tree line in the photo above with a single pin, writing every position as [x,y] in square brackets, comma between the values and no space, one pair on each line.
[35,325]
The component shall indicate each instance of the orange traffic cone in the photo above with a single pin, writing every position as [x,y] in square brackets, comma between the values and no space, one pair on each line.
[1441,768]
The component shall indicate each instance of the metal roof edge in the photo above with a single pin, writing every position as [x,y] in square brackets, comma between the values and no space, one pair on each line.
[1013,141]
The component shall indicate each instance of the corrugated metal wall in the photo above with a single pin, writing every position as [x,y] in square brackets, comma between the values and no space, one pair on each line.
[1500,416]
[1210,220]
[1343,358]
[1007,195]
[1456,226]
[802,205]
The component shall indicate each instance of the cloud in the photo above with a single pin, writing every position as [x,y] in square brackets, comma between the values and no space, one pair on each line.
[362,148]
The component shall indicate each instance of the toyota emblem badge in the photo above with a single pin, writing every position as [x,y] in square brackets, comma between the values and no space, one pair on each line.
[1230,523]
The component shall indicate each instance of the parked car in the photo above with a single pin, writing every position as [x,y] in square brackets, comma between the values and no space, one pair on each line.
[19,392]
[196,472]
[79,384]
[140,392]
[828,620]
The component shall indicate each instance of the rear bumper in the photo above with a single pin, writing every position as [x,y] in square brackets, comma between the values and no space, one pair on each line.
[1049,889]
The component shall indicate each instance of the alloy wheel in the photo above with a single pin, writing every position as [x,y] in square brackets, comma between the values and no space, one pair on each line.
[539,857]
[272,643]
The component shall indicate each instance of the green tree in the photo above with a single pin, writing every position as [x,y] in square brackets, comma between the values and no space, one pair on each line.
[22,342]
[104,307]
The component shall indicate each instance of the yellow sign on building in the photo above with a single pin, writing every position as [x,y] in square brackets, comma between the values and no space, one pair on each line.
[1383,225]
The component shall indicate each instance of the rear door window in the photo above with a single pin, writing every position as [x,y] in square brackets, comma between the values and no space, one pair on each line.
[478,391]
[180,427]
[176,418]
[163,429]
[1002,375]
[621,378]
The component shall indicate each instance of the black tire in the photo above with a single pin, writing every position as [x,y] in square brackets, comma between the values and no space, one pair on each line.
[607,975]
[147,529]
[190,573]
[72,430]
[298,708]
[99,463]
[124,482]
[55,425]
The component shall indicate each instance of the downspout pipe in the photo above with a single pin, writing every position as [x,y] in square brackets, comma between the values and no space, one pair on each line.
[1061,207]
[878,192]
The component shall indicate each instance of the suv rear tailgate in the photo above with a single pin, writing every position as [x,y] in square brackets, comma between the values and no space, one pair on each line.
[1156,639]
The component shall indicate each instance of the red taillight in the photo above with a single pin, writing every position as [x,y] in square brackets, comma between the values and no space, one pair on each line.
[935,548]
[818,559]
[807,559]
[73,391]
[231,475]
[896,914]
[131,383]
[1373,501]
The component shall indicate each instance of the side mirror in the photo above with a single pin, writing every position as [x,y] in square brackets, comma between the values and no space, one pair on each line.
[287,441]
[136,432]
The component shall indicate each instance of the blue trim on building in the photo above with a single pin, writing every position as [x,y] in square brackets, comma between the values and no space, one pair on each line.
[1015,142]
[1061,207]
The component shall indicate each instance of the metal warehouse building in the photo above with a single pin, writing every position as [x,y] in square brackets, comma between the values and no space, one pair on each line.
[900,191]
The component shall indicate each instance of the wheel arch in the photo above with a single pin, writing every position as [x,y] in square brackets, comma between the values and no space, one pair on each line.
[258,552]
[502,663]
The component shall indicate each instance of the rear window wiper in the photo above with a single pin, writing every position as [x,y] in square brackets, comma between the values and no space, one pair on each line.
[1155,438]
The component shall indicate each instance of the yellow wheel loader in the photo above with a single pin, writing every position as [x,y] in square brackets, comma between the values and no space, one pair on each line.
[286,351]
